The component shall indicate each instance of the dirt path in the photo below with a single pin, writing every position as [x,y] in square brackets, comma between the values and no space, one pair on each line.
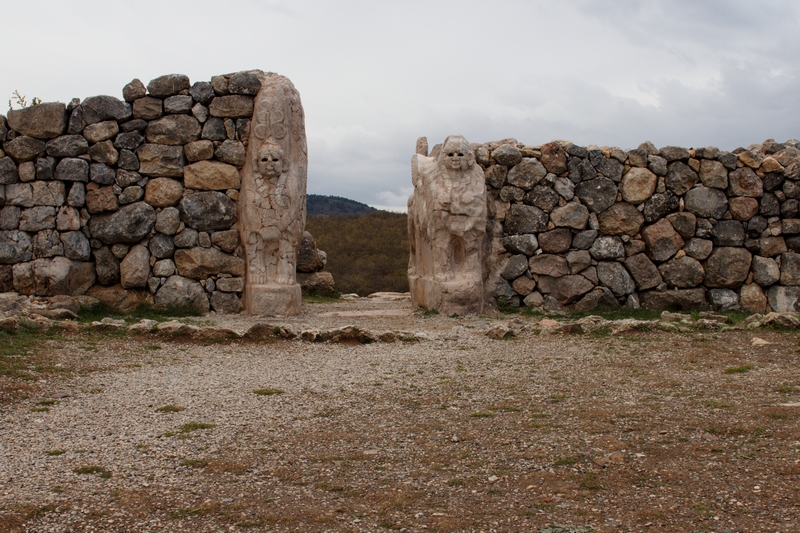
[647,431]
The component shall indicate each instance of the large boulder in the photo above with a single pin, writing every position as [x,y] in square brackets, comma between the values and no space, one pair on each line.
[614,276]
[644,272]
[784,299]
[163,192]
[555,241]
[130,224]
[662,240]
[526,174]
[706,203]
[790,268]
[207,211]
[24,148]
[744,182]
[178,291]
[680,177]
[67,146]
[548,265]
[565,289]
[135,268]
[713,174]
[522,219]
[620,219]
[507,155]
[43,121]
[752,298]
[200,263]
[15,247]
[168,85]
[48,277]
[727,267]
[107,266]
[572,215]
[161,160]
[659,205]
[226,303]
[678,299]
[684,223]
[100,108]
[554,158]
[173,130]
[638,185]
[682,272]
[607,247]
[232,106]
[521,244]
[598,194]
[316,282]
[211,176]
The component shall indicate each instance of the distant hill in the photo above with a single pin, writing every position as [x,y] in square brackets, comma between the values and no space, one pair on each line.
[317,204]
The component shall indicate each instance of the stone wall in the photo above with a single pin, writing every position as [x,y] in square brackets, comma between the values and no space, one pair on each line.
[594,228]
[132,199]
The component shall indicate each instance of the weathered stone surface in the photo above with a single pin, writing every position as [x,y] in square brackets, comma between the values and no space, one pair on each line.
[745,182]
[128,225]
[507,155]
[523,219]
[178,291]
[168,85]
[37,218]
[72,169]
[769,205]
[199,150]
[104,152]
[160,160]
[565,289]
[607,247]
[682,272]
[771,246]
[662,240]
[515,266]
[102,174]
[19,194]
[542,197]
[214,130]
[578,260]
[580,170]
[554,158]
[659,205]
[9,217]
[202,92]
[211,176]
[723,300]
[76,246]
[100,108]
[24,148]
[68,219]
[790,268]
[727,267]
[526,174]
[128,141]
[50,193]
[207,211]
[135,268]
[700,249]
[784,299]
[523,285]
[680,178]
[572,215]
[107,266]
[46,243]
[638,185]
[318,282]
[598,299]
[713,174]
[766,271]
[232,106]
[678,299]
[135,89]
[168,221]
[644,272]
[706,203]
[188,238]
[43,121]
[148,108]
[565,188]
[163,192]
[495,176]
[598,194]
[173,130]
[614,276]
[752,299]
[200,263]
[226,303]
[556,241]
[620,219]
[101,200]
[101,131]
[126,178]
[548,265]
[743,208]
[308,258]
[128,160]
[15,247]
[684,223]
[610,168]
[67,146]
[231,152]
[244,83]
[583,240]
[521,244]
[178,104]
[49,277]
[8,171]
[164,268]
[674,153]
[131,194]
[161,246]
[728,233]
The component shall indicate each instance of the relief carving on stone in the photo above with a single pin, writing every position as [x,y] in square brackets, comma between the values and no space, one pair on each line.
[273,199]
[447,215]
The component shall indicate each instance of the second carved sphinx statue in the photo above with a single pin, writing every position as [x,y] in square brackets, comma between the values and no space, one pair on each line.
[446,228]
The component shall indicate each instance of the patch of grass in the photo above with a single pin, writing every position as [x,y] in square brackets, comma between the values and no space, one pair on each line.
[48,402]
[599,333]
[430,312]
[151,347]
[170,409]
[785,389]
[321,297]
[481,414]
[21,351]
[40,409]
[268,392]
[195,426]
[456,482]
[142,311]
[741,369]
[591,481]
[55,453]
[565,461]
[93,469]
[195,463]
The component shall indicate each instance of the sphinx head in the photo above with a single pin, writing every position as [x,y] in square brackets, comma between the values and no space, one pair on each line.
[270,162]
[456,154]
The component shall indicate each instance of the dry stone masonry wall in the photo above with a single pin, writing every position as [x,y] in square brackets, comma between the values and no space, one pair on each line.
[595,228]
[129,199]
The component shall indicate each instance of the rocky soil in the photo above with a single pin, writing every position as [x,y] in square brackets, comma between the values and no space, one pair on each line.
[682,426]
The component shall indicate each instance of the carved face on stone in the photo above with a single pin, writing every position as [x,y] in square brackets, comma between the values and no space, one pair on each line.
[456,153]
[270,161]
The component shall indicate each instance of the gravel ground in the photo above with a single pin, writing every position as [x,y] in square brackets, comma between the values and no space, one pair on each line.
[645,431]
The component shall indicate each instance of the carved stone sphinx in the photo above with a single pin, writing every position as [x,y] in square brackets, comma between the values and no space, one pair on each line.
[446,228]
[273,198]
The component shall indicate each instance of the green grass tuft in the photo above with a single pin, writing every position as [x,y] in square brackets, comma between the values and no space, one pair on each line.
[741,369]
[268,392]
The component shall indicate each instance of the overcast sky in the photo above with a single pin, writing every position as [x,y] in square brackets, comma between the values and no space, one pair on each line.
[374,76]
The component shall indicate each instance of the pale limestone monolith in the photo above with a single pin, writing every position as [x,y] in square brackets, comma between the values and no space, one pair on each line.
[446,228]
[273,199]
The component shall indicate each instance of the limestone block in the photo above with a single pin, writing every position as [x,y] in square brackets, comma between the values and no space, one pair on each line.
[100,108]
[178,291]
[128,225]
[682,272]
[745,182]
[43,121]
[208,210]
[231,106]
[24,148]
[163,192]
[727,267]
[614,276]
[644,272]
[160,160]
[200,263]
[637,185]
[101,200]
[662,240]
[100,131]
[211,176]
[173,130]
[135,89]
[135,268]
[168,85]
[597,194]
[50,193]
[620,219]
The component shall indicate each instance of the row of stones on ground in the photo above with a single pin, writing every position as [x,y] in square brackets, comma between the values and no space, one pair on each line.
[545,217]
